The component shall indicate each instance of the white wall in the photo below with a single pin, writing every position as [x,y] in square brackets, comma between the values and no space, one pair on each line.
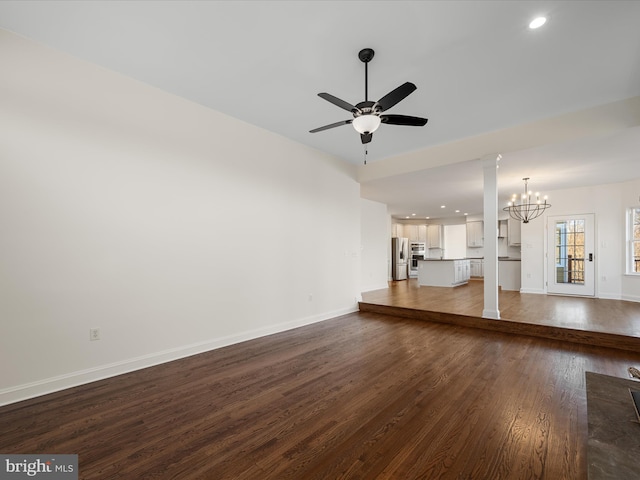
[455,241]
[609,204]
[171,227]
[376,245]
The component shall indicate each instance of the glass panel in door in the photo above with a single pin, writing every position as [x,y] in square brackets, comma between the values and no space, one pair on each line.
[571,265]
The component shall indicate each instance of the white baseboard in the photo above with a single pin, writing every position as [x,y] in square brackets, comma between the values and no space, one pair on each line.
[630,298]
[602,295]
[609,296]
[537,291]
[378,287]
[81,377]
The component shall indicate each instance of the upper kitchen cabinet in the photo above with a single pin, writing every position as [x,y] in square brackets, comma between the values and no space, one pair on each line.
[411,232]
[397,230]
[475,234]
[514,233]
[435,236]
[415,233]
[422,233]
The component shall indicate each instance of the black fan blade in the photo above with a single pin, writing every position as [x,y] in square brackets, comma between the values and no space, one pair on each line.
[333,125]
[395,96]
[366,137]
[340,103]
[403,120]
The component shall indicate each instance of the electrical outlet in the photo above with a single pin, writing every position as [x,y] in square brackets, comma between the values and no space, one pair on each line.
[94,334]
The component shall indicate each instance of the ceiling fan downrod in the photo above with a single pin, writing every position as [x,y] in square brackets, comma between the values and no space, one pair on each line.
[365,55]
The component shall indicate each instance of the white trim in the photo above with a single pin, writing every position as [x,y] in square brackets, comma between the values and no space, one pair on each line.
[371,289]
[629,257]
[609,296]
[631,298]
[536,291]
[81,377]
[493,314]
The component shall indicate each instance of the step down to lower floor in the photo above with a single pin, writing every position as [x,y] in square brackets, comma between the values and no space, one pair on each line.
[598,339]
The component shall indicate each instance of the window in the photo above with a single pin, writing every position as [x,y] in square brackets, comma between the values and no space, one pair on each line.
[633,237]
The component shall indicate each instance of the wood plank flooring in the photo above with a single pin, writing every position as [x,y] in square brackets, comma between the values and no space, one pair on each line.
[610,323]
[362,396]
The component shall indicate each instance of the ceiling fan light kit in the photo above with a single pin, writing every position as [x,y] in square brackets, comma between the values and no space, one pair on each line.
[366,123]
[367,115]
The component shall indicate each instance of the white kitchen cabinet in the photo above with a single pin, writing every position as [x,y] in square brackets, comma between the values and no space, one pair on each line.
[475,234]
[443,273]
[435,236]
[462,271]
[476,266]
[397,230]
[411,232]
[422,233]
[514,233]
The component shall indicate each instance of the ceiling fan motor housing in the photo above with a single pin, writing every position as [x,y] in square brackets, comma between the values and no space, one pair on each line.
[365,108]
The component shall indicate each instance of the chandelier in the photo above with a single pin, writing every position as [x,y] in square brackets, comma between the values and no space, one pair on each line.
[528,208]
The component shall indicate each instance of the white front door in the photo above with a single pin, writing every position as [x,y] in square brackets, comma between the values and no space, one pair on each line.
[571,255]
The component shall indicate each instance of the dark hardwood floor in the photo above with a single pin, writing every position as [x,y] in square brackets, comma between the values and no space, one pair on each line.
[363,396]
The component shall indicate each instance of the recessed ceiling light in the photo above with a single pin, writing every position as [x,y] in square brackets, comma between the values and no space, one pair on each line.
[427,218]
[406,217]
[537,22]
[457,211]
[413,214]
[466,214]
[442,206]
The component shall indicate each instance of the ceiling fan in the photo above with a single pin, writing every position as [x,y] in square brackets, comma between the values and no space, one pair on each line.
[367,115]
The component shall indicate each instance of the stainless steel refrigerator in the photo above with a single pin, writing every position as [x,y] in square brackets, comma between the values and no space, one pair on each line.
[399,258]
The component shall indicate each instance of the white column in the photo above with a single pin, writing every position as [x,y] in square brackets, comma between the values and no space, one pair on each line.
[490,171]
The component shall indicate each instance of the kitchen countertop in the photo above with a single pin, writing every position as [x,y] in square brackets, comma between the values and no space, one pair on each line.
[442,259]
[501,259]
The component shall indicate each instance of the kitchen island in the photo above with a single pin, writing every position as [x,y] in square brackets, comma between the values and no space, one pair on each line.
[447,272]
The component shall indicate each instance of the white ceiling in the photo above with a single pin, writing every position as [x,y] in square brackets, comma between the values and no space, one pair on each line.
[477,66]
